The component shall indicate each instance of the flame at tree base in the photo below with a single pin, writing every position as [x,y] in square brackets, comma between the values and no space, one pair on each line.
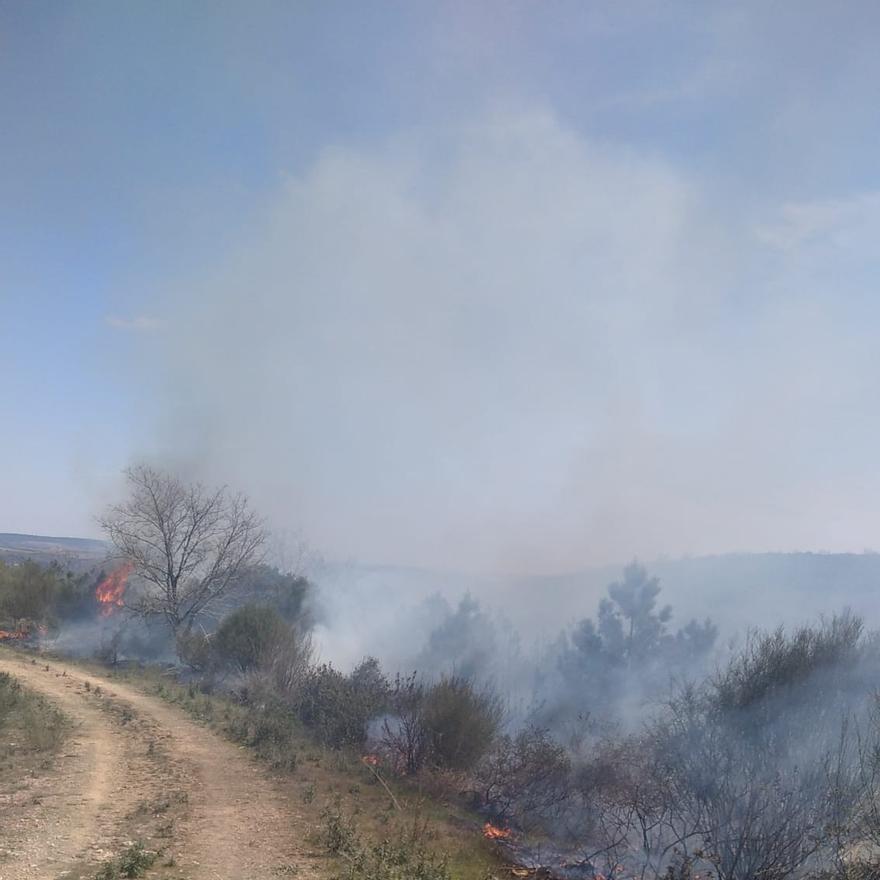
[111,590]
[13,634]
[493,832]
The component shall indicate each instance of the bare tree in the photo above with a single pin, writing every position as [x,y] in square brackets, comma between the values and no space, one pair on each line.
[404,734]
[189,544]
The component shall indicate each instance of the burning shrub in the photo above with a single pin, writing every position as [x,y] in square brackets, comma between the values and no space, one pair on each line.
[525,779]
[460,722]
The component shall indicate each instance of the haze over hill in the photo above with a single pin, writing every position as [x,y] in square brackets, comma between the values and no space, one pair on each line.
[738,590]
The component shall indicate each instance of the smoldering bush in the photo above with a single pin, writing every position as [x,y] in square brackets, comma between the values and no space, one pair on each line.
[449,725]
[525,779]
[403,733]
[819,670]
[757,772]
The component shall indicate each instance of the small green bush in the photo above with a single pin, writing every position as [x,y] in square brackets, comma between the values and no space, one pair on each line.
[461,722]
[196,651]
[404,858]
[337,708]
[247,638]
[270,728]
[133,862]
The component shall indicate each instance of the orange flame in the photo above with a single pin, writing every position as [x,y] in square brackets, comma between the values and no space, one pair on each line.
[370,760]
[111,590]
[20,633]
[493,832]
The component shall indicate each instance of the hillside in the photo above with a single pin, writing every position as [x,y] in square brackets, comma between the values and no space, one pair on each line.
[75,553]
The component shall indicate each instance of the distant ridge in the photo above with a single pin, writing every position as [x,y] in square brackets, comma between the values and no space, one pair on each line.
[73,552]
[738,589]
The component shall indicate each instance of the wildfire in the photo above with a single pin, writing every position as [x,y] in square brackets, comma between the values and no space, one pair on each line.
[493,832]
[370,760]
[20,633]
[110,591]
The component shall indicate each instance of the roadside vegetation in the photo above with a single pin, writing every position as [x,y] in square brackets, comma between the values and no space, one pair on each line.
[769,766]
[396,825]
[642,750]
[34,595]
[133,862]
[32,729]
[32,733]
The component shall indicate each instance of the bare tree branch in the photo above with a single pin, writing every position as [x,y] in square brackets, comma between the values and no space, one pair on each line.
[189,545]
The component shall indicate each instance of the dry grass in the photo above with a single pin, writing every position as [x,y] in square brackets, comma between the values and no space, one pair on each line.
[31,729]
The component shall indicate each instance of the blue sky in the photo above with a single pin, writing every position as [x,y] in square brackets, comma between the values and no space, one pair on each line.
[504,285]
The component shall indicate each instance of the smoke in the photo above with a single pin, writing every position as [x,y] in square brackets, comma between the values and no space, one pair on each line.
[510,347]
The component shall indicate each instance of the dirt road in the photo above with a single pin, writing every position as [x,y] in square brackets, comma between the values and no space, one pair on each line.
[130,759]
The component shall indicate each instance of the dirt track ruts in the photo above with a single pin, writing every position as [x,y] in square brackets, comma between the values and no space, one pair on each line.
[129,749]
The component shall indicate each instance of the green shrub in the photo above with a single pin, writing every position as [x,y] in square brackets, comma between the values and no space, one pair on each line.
[339,834]
[43,593]
[337,707]
[396,860]
[247,638]
[461,722]
[776,662]
[196,651]
[404,858]
[27,591]
[133,862]
[270,728]
[285,592]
